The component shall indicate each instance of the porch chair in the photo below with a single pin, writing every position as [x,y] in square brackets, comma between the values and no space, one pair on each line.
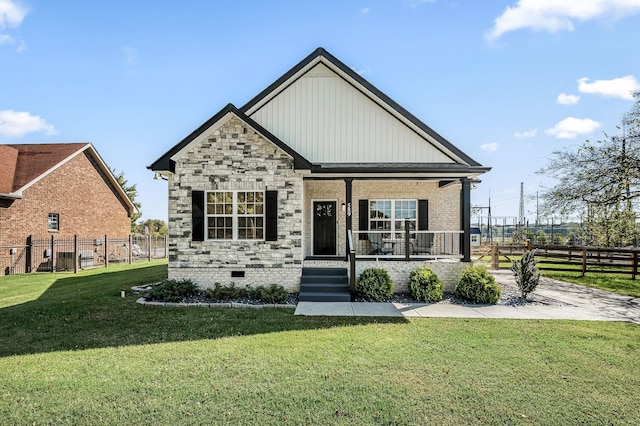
[423,244]
[378,246]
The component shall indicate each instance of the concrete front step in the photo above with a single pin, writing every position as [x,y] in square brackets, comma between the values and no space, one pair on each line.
[327,287]
[325,279]
[312,296]
[324,285]
[308,270]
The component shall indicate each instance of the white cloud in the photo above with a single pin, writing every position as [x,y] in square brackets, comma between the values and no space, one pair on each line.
[364,11]
[6,39]
[526,134]
[19,123]
[556,15]
[11,14]
[616,88]
[565,99]
[489,147]
[571,127]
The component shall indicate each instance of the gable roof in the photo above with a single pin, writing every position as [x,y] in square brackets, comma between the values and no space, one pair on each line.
[166,163]
[33,162]
[442,158]
[449,152]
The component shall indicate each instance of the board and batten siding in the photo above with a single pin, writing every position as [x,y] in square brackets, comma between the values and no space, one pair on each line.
[326,119]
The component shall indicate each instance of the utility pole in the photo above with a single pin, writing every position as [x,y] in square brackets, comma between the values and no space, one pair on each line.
[521,215]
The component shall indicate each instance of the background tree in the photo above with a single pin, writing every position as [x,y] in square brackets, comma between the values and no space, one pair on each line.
[601,179]
[155,227]
[132,193]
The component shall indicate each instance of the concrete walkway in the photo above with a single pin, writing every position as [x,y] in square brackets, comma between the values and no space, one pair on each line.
[580,303]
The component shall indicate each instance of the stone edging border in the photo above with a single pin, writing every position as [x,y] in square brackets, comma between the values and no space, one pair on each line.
[142,301]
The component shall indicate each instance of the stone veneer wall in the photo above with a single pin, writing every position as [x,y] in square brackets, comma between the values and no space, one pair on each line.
[235,157]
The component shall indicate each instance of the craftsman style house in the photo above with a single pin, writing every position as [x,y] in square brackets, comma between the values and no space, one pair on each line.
[57,190]
[319,167]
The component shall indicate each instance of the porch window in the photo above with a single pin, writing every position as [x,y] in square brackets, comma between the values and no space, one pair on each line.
[235,215]
[390,215]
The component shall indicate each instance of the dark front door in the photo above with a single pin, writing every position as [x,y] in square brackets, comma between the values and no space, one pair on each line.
[324,228]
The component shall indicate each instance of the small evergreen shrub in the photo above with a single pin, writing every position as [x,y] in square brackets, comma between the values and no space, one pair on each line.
[526,274]
[374,284]
[425,285]
[220,292]
[273,294]
[478,286]
[173,291]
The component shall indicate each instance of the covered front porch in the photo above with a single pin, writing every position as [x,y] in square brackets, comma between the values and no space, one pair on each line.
[397,223]
[389,218]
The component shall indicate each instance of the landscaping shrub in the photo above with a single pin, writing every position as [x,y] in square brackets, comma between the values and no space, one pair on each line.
[374,284]
[273,294]
[425,285]
[173,291]
[478,286]
[526,274]
[220,292]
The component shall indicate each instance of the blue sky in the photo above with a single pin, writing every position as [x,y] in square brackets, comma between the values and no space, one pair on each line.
[507,81]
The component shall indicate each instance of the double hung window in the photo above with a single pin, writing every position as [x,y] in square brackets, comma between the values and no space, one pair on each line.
[235,215]
[391,215]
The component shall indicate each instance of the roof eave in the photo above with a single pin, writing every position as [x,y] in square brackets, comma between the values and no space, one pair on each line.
[398,168]
[11,196]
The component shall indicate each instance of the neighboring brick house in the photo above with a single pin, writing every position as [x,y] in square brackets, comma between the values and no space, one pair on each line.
[58,189]
[258,192]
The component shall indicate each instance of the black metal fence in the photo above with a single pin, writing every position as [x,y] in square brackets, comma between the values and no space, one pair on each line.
[52,254]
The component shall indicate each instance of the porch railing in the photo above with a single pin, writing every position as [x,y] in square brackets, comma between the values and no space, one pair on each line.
[408,244]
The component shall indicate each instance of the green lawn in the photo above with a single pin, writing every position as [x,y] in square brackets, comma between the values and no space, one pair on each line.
[73,352]
[617,283]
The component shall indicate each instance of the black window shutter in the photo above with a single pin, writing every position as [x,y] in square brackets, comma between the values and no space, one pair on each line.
[423,215]
[197,215]
[271,213]
[363,219]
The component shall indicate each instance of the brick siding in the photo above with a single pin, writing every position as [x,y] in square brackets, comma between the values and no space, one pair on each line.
[79,192]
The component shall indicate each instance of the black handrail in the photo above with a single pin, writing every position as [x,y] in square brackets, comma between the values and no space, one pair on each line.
[352,263]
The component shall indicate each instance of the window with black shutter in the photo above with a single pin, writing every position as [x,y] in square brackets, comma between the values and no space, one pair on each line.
[271,215]
[197,215]
[363,219]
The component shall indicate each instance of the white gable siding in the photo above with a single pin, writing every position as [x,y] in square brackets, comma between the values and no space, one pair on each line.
[325,119]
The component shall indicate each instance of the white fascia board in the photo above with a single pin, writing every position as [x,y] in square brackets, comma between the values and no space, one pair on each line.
[112,179]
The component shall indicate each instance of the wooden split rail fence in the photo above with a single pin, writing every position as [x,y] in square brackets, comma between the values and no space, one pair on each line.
[566,259]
